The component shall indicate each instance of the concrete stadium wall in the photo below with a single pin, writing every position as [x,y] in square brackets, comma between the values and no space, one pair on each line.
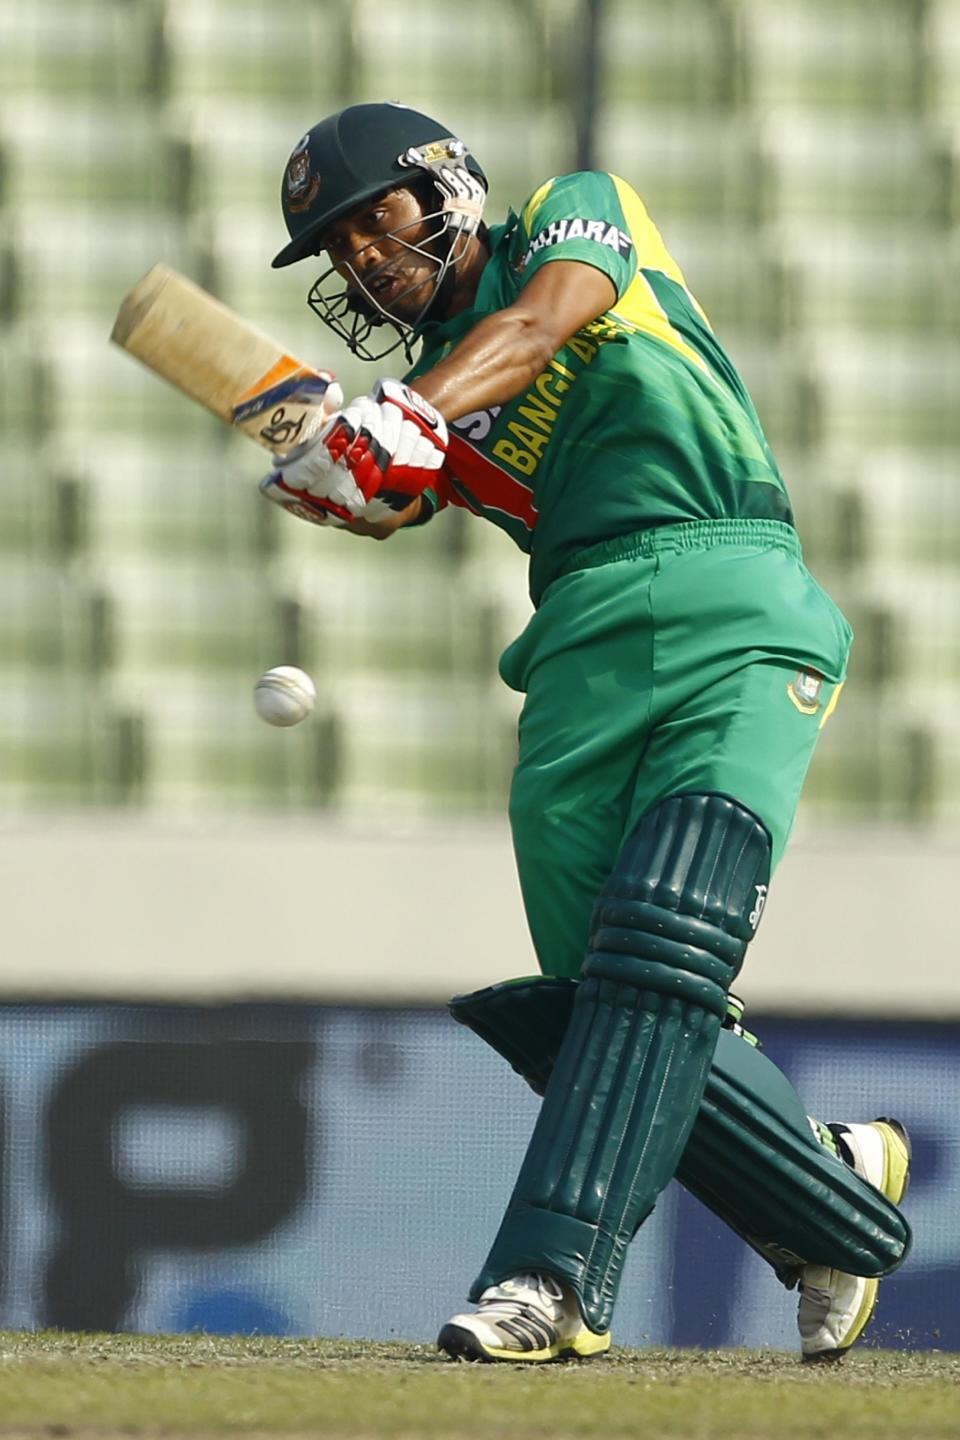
[307,909]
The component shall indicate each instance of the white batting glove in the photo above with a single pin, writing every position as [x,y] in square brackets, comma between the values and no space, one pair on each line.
[300,504]
[392,442]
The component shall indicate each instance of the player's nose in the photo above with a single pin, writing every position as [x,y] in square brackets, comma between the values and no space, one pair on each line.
[368,255]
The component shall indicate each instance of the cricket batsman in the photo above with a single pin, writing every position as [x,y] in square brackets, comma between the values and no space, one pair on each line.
[677,671]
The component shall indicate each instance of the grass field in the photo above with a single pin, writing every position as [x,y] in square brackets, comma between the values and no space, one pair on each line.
[102,1387]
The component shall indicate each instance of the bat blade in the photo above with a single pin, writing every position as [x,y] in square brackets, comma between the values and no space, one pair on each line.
[182,333]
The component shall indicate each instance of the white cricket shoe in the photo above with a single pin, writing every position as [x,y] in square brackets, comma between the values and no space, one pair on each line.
[836,1308]
[528,1318]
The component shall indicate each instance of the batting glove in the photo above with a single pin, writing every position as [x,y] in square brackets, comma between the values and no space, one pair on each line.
[302,505]
[392,442]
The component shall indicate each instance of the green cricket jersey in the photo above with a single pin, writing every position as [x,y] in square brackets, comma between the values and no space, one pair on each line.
[639,420]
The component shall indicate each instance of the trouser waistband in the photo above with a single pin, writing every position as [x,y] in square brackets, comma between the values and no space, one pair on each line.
[686,535]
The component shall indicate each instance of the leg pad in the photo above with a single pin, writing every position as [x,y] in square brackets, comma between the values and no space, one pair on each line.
[751,1157]
[669,933]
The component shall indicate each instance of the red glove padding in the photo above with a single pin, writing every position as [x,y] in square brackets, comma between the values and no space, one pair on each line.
[393,442]
[302,504]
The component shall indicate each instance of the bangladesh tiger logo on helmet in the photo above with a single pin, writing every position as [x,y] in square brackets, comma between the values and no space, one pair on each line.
[301,184]
[359,153]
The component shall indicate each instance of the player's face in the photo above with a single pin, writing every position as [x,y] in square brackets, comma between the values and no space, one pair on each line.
[372,245]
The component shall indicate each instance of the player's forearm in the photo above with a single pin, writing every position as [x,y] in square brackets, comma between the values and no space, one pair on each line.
[498,359]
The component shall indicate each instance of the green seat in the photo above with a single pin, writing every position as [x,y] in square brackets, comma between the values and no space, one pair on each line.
[677,54]
[98,391]
[167,502]
[735,271]
[252,172]
[205,750]
[48,621]
[50,729]
[375,616]
[111,247]
[244,236]
[101,151]
[92,48]
[494,54]
[185,615]
[519,144]
[28,512]
[880,390]
[409,746]
[942,59]
[858,275]
[824,169]
[832,55]
[906,508]
[699,166]
[254,51]
[926,601]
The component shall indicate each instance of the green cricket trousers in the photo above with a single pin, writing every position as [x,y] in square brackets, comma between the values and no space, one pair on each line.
[697,657]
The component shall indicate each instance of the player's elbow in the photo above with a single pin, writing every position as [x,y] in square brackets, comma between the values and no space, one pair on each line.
[534,345]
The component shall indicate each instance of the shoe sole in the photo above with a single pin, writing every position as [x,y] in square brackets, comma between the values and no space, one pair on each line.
[461,1344]
[897,1157]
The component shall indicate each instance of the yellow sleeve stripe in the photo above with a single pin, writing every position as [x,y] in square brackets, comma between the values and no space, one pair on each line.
[640,308]
[534,203]
[652,254]
[639,305]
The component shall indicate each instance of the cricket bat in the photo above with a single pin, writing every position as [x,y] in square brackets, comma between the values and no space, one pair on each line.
[209,352]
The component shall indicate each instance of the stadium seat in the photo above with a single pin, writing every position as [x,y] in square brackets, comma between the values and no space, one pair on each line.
[874,392]
[831,56]
[62,148]
[97,393]
[94,48]
[413,747]
[375,614]
[942,59]
[50,732]
[206,751]
[110,247]
[678,55]
[27,502]
[700,167]
[518,145]
[907,508]
[243,238]
[254,51]
[926,600]
[185,616]
[824,168]
[171,501]
[852,275]
[48,622]
[491,56]
[238,149]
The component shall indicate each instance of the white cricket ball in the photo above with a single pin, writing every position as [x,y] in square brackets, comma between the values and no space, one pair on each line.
[284,695]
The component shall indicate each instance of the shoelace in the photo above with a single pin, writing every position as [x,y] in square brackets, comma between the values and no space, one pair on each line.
[499,1298]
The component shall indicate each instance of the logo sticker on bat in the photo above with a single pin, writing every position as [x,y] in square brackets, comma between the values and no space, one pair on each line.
[277,409]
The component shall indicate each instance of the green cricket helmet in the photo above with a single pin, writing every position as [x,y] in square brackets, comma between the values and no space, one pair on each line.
[361,152]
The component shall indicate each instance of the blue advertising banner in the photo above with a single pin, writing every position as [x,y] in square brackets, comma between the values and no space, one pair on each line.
[309,1170]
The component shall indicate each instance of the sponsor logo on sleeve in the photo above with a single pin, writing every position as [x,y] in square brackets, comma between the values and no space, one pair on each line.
[600,232]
